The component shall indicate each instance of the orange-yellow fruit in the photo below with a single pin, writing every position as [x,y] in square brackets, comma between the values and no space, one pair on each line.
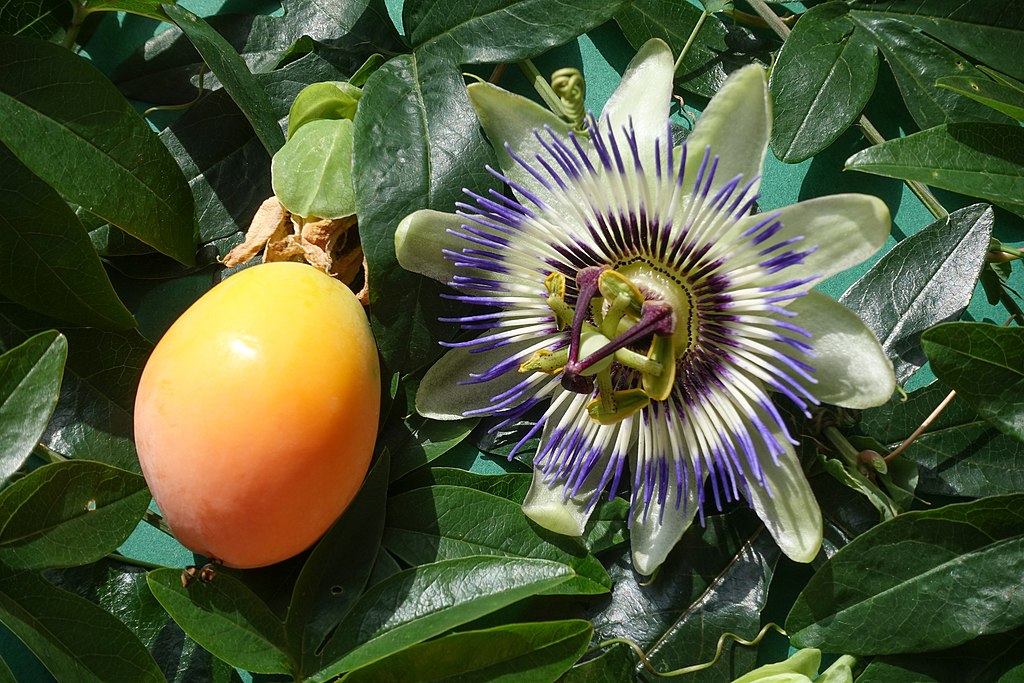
[256,414]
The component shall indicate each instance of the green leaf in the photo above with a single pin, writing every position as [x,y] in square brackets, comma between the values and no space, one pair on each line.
[715,6]
[614,665]
[1000,97]
[226,618]
[994,658]
[422,602]
[952,572]
[711,55]
[960,454]
[500,30]
[44,19]
[416,441]
[449,522]
[516,653]
[988,30]
[824,76]
[937,269]
[312,173]
[233,74]
[330,100]
[121,590]
[68,513]
[984,364]
[30,377]
[50,264]
[74,639]
[144,8]
[977,159]
[417,144]
[71,127]
[715,581]
[336,572]
[917,61]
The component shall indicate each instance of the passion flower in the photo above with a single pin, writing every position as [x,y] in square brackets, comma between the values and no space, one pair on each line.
[629,286]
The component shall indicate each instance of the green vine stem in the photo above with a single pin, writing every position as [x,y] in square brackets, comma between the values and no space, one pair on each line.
[155,520]
[850,454]
[124,559]
[48,454]
[922,428]
[79,13]
[695,667]
[689,41]
[540,84]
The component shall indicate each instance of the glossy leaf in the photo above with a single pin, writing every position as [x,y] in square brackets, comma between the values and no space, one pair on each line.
[715,581]
[516,653]
[937,269]
[44,19]
[66,122]
[999,96]
[312,173]
[226,618]
[30,377]
[233,74]
[918,62]
[985,365]
[952,572]
[449,522]
[422,602]
[417,144]
[997,658]
[824,76]
[337,571]
[145,8]
[712,54]
[330,100]
[121,590]
[499,30]
[68,513]
[417,441]
[960,454]
[49,262]
[74,639]
[988,30]
[977,159]
[614,665]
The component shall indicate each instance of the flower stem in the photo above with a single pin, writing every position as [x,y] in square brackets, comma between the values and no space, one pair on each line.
[77,18]
[689,41]
[543,88]
[850,454]
[924,426]
[48,454]
[773,20]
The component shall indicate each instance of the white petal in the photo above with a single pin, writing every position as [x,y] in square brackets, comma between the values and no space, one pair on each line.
[736,124]
[421,239]
[643,97]
[544,505]
[650,541]
[847,228]
[513,119]
[790,511]
[441,394]
[851,368]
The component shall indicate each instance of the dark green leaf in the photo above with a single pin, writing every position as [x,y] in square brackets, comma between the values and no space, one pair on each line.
[711,56]
[76,640]
[500,30]
[449,522]
[513,487]
[960,454]
[417,441]
[121,590]
[226,618]
[615,665]
[985,365]
[71,127]
[517,653]
[917,61]
[937,269]
[68,513]
[977,159]
[145,8]
[424,601]
[312,173]
[49,262]
[30,377]
[953,573]
[988,30]
[1000,97]
[417,144]
[824,76]
[233,74]
[337,571]
[989,659]
[44,19]
[715,581]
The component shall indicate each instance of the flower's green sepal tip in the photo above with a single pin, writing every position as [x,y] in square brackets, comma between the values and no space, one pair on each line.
[544,505]
[841,671]
[421,239]
[802,667]
[790,511]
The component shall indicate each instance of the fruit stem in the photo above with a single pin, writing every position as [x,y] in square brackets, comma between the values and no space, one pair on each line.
[155,520]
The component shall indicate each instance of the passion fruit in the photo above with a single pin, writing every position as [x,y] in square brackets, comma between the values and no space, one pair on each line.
[257,412]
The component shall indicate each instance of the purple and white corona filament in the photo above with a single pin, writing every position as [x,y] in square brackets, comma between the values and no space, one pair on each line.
[629,287]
